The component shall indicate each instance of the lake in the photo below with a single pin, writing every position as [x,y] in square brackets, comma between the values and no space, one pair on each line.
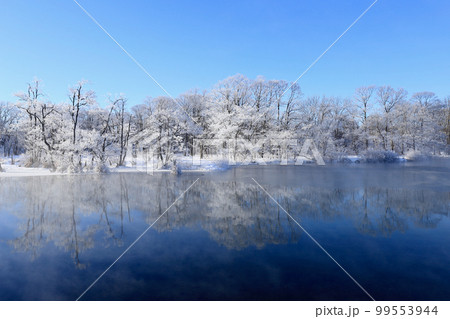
[387,225]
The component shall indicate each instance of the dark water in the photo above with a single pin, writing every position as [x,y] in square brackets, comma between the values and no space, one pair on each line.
[387,225]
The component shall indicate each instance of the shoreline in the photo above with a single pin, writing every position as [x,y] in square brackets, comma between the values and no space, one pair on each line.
[186,166]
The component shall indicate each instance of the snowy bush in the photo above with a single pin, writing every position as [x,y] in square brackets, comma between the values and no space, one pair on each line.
[375,156]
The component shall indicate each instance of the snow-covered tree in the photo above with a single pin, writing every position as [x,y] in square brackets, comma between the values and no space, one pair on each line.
[388,98]
[81,135]
[363,101]
[10,135]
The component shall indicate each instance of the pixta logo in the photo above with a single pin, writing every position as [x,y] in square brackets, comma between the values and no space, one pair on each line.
[245,152]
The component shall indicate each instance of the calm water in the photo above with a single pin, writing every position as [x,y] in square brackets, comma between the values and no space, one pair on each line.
[387,225]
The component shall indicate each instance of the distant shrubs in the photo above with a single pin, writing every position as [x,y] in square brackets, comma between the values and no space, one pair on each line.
[373,156]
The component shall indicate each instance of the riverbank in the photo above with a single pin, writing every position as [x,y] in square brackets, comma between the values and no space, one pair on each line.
[189,164]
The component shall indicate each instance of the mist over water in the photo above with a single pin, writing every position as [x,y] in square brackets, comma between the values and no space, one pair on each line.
[387,225]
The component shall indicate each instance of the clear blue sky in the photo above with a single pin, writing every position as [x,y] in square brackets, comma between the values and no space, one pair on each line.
[194,44]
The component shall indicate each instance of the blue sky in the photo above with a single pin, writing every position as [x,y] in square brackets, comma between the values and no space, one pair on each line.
[194,44]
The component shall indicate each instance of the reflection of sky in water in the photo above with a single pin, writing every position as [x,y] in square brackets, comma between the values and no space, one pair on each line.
[386,224]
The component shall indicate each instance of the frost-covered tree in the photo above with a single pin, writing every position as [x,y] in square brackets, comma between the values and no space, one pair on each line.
[40,135]
[445,119]
[195,122]
[388,98]
[164,129]
[122,127]
[81,135]
[79,99]
[101,139]
[425,99]
[363,101]
[10,135]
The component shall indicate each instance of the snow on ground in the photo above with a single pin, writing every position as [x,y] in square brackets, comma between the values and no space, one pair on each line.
[16,169]
[184,164]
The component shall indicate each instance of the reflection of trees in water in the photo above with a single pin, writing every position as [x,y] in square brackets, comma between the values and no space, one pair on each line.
[49,213]
[375,211]
[238,215]
[393,209]
[75,213]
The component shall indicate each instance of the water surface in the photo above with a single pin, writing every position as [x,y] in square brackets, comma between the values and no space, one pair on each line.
[387,225]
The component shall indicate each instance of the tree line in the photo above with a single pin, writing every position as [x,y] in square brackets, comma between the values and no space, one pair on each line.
[79,135]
